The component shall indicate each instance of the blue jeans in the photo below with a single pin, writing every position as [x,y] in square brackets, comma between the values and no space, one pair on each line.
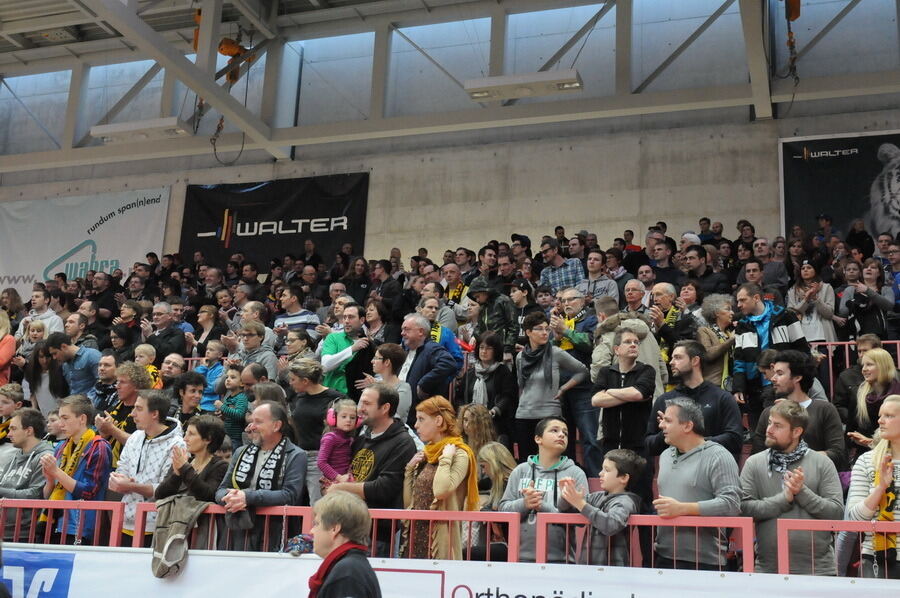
[587,419]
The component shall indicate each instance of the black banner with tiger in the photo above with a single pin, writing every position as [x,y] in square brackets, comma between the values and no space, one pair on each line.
[846,177]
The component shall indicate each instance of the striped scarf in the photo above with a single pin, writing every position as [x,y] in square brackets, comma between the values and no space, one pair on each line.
[882,541]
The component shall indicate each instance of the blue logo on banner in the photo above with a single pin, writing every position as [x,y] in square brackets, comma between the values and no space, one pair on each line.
[32,574]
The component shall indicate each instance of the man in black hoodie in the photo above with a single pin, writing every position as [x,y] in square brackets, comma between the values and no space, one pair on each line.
[380,455]
[721,416]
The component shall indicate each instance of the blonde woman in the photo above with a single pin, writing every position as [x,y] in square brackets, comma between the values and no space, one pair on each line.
[496,464]
[477,426]
[441,477]
[873,490]
[879,381]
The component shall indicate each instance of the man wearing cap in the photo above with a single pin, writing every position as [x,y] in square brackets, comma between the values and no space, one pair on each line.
[825,227]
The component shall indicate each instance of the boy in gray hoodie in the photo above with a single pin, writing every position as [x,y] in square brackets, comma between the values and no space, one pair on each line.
[533,487]
[22,478]
[608,510]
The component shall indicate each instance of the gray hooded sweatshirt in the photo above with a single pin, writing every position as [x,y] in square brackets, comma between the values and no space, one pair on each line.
[22,479]
[608,543]
[546,480]
[707,475]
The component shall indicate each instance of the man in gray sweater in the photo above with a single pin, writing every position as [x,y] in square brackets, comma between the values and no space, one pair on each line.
[792,481]
[22,477]
[696,477]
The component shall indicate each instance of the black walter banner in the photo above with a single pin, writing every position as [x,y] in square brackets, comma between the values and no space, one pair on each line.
[846,177]
[267,220]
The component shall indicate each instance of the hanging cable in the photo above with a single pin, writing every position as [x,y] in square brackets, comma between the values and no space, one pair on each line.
[791,73]
[220,126]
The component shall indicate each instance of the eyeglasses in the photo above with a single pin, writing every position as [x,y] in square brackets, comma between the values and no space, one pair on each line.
[246,334]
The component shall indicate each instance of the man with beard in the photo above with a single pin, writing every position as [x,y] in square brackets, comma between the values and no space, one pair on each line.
[721,416]
[791,480]
[380,455]
[270,471]
[792,378]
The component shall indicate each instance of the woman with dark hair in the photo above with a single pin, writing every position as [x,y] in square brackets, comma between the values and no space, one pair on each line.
[743,252]
[11,302]
[209,328]
[196,469]
[539,367]
[378,328]
[868,301]
[62,303]
[338,269]
[386,364]
[522,295]
[813,301]
[690,299]
[44,384]
[119,339]
[130,314]
[358,280]
[796,256]
[170,288]
[492,384]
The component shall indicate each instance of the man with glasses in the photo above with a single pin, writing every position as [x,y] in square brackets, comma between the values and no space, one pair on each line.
[162,334]
[559,273]
[574,333]
[254,351]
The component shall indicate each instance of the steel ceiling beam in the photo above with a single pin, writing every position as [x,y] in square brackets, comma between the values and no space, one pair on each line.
[154,45]
[261,14]
[462,120]
[624,15]
[126,99]
[684,46]
[93,17]
[827,28]
[18,40]
[754,42]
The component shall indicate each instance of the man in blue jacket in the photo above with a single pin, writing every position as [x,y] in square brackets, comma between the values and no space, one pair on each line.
[429,367]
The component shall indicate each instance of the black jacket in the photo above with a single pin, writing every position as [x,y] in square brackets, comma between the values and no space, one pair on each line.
[845,389]
[170,340]
[380,463]
[625,426]
[351,577]
[430,374]
[502,393]
[713,282]
[721,417]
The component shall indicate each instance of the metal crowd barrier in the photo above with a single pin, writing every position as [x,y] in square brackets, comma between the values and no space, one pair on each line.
[26,527]
[739,529]
[855,529]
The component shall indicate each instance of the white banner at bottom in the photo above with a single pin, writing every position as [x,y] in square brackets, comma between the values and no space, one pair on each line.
[32,571]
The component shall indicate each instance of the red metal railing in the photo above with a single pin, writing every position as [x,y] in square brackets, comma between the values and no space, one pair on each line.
[397,517]
[580,537]
[26,515]
[784,526]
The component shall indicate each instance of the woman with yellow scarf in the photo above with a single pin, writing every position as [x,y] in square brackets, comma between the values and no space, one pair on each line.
[443,477]
[873,493]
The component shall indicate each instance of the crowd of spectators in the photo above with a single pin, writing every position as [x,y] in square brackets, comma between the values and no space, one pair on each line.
[456,384]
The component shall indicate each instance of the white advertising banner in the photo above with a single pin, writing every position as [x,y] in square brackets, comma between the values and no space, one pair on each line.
[32,571]
[39,238]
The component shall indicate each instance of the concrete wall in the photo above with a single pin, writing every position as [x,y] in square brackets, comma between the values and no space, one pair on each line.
[446,196]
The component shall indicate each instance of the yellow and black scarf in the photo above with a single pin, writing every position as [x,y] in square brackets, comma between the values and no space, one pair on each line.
[68,462]
[882,541]
[121,415]
[4,431]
